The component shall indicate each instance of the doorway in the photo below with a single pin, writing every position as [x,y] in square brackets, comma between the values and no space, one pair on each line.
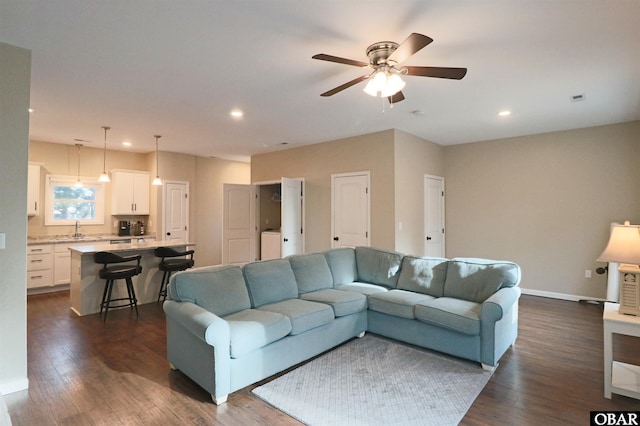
[175,211]
[434,231]
[350,209]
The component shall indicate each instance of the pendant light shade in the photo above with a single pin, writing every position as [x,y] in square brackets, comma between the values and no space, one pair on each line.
[104,177]
[157,181]
[78,183]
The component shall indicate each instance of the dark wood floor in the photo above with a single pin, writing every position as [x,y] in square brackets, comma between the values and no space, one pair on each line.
[83,371]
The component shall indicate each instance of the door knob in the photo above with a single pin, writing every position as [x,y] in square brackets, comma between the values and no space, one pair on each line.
[286,239]
[168,233]
[336,239]
[428,238]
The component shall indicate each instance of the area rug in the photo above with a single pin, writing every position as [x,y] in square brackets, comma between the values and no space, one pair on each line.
[375,381]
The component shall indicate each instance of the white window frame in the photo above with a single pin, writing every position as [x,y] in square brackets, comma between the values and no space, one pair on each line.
[57,180]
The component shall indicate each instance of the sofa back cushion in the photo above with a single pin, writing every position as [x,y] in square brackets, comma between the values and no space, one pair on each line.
[270,281]
[311,271]
[218,289]
[342,263]
[378,266]
[477,279]
[423,275]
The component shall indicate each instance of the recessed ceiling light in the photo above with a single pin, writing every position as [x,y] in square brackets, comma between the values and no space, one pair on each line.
[504,113]
[126,143]
[236,113]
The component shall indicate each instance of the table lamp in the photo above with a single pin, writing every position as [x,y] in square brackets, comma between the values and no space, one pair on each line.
[624,248]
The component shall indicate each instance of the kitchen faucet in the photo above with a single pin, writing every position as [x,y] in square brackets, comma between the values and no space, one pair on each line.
[77,233]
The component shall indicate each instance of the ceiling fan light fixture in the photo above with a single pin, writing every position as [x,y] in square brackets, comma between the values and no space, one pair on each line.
[384,83]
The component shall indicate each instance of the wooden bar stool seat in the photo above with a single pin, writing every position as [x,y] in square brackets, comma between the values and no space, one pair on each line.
[114,268]
[171,261]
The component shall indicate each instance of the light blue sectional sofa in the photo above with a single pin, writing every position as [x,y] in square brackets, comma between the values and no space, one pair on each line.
[229,327]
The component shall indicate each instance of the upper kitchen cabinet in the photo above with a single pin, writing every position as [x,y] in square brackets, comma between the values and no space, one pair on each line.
[130,192]
[33,189]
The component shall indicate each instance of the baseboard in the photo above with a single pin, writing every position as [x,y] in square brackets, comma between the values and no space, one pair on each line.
[14,386]
[561,296]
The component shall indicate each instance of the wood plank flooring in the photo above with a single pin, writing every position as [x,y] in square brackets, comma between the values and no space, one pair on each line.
[83,371]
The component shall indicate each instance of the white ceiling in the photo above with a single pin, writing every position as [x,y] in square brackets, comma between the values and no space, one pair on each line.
[177,68]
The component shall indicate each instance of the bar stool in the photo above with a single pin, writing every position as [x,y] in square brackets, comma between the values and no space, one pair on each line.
[117,272]
[169,264]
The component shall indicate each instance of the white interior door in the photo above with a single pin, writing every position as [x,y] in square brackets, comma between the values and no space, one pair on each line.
[292,191]
[350,207]
[434,216]
[238,224]
[176,211]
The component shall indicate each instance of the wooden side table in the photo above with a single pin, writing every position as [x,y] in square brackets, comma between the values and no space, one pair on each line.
[620,378]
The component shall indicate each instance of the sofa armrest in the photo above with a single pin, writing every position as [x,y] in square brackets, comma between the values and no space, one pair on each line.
[202,323]
[494,308]
[198,344]
[498,324]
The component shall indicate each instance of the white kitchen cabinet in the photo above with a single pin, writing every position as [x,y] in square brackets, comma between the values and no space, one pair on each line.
[33,189]
[40,264]
[130,192]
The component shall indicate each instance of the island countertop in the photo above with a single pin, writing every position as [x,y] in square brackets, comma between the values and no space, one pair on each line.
[136,245]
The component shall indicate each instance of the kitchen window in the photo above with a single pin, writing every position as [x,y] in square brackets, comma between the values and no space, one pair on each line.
[65,204]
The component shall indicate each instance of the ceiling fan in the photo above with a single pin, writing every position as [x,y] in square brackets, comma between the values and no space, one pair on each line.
[385,58]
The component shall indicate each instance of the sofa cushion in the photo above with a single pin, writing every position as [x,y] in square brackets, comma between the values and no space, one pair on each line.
[218,289]
[377,266]
[362,288]
[462,316]
[423,275]
[342,262]
[342,302]
[252,329]
[311,271]
[399,303]
[270,281]
[303,314]
[477,279]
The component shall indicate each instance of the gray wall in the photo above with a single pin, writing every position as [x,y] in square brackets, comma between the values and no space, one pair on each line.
[544,201]
[15,75]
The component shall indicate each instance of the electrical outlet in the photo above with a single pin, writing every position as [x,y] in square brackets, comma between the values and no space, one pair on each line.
[587,273]
[115,223]
[3,239]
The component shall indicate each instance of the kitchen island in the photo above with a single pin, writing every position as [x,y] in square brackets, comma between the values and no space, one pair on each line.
[86,286]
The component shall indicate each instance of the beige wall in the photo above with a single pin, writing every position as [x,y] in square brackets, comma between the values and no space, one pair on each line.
[544,201]
[211,175]
[316,163]
[414,158]
[15,69]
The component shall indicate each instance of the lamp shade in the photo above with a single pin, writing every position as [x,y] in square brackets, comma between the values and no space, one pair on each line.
[623,245]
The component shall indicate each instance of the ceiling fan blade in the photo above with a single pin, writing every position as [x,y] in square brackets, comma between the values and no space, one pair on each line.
[394,99]
[411,45]
[344,86]
[438,72]
[323,57]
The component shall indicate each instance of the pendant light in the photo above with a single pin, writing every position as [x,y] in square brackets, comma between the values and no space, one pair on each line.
[104,177]
[157,181]
[78,183]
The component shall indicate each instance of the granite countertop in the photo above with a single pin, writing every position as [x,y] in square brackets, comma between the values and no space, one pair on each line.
[56,239]
[134,246]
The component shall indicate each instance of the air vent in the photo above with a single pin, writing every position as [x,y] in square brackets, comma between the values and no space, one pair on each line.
[578,98]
